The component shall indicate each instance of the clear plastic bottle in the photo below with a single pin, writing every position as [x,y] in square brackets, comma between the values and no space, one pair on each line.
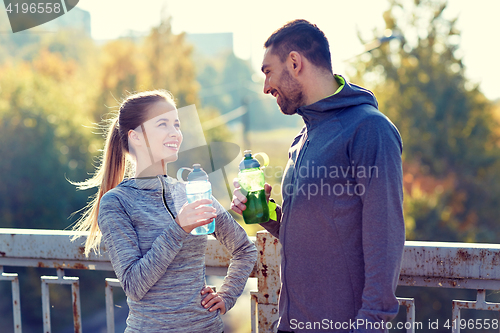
[198,187]
[252,181]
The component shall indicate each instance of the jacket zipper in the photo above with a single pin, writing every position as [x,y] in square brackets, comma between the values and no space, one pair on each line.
[303,148]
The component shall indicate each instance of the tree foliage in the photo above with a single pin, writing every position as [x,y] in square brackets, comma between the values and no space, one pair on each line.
[161,60]
[41,145]
[450,138]
[450,135]
[227,82]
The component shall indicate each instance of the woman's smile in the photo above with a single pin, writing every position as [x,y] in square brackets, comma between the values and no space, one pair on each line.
[174,145]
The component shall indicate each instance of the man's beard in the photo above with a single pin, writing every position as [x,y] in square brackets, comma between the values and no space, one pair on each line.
[291,96]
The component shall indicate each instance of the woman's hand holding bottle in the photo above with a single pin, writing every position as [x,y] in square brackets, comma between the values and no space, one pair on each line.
[195,214]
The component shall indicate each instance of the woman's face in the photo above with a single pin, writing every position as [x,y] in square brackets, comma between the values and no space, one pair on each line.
[161,134]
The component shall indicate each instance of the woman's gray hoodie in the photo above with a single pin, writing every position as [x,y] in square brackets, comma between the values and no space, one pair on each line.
[161,267]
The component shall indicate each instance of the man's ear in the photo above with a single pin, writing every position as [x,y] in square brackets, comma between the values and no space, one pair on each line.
[295,62]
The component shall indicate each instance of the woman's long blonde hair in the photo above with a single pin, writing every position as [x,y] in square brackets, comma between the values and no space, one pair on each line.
[114,162]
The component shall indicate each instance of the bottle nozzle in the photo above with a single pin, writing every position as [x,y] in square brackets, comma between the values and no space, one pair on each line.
[197,173]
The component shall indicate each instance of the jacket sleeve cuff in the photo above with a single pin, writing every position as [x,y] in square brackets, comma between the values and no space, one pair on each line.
[272,210]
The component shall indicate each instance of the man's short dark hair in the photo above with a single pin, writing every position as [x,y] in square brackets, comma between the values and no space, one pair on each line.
[303,37]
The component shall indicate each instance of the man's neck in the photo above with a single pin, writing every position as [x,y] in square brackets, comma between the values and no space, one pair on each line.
[321,86]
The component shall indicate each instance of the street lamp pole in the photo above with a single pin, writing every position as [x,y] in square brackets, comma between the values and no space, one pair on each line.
[375,44]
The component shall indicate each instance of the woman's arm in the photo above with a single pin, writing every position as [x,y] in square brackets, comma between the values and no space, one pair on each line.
[137,273]
[243,251]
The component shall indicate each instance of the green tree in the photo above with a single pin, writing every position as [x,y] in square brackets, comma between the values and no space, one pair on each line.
[120,69]
[161,60]
[450,137]
[169,63]
[42,144]
[446,123]
[228,82]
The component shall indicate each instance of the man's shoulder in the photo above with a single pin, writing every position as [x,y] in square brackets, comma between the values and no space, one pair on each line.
[363,115]
[367,121]
[361,112]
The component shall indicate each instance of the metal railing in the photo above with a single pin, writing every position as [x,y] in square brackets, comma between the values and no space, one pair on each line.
[425,264]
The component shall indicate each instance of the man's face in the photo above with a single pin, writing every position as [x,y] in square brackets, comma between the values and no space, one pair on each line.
[281,84]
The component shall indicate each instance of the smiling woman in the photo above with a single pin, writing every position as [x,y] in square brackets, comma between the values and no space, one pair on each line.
[156,140]
[146,227]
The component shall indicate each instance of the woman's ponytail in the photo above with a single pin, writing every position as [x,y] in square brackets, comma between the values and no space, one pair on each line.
[109,174]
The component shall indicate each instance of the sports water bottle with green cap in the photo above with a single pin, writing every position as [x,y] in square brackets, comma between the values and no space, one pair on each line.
[251,179]
[198,187]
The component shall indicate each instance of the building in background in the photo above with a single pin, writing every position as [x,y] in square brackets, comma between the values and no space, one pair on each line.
[211,44]
[76,18]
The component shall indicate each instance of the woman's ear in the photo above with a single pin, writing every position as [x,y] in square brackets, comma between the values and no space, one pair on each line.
[134,138]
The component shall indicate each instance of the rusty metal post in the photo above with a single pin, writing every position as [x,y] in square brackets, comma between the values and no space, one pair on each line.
[110,306]
[16,302]
[479,304]
[46,305]
[253,309]
[75,298]
[268,274]
[455,317]
[409,303]
[16,299]
[75,291]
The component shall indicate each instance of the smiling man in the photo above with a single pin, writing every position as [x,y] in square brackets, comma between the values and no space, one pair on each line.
[342,233]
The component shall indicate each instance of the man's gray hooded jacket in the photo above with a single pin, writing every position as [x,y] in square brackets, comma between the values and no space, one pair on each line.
[342,230]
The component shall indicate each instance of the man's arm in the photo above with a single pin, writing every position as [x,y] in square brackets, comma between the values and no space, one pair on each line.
[238,205]
[377,147]
[273,225]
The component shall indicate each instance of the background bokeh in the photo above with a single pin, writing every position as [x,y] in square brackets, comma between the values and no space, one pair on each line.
[436,81]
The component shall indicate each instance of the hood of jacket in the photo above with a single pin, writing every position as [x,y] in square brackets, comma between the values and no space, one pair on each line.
[350,95]
[147,183]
